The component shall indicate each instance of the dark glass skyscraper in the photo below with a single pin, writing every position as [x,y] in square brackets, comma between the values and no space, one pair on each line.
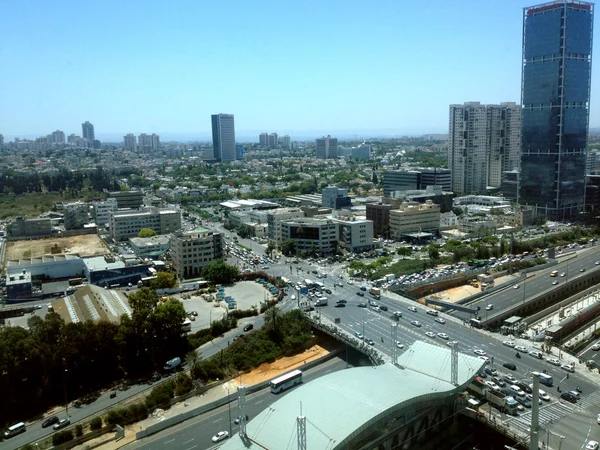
[555,94]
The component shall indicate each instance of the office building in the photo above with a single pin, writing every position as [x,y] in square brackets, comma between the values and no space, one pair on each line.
[75,215]
[416,179]
[433,193]
[101,211]
[150,247]
[87,131]
[483,142]
[273,140]
[412,218]
[223,133]
[379,214]
[556,76]
[286,142]
[192,250]
[510,185]
[276,217]
[263,139]
[592,193]
[361,153]
[355,236]
[128,199]
[127,224]
[592,162]
[335,198]
[312,235]
[129,142]
[327,147]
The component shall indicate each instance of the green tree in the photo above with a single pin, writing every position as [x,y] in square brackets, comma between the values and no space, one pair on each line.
[164,280]
[219,272]
[404,251]
[434,253]
[146,233]
[273,322]
[540,220]
[458,211]
[374,180]
[288,247]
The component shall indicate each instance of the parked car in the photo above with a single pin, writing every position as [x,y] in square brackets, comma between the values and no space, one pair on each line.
[509,366]
[249,327]
[50,421]
[220,436]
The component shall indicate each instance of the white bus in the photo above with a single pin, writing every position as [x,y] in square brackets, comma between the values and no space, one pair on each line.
[319,285]
[14,430]
[286,381]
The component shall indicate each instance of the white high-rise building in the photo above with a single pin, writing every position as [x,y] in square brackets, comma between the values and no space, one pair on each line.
[58,137]
[223,133]
[327,147]
[87,131]
[130,142]
[273,140]
[286,142]
[483,142]
[263,139]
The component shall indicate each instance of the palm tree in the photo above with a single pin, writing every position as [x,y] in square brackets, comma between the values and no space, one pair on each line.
[273,318]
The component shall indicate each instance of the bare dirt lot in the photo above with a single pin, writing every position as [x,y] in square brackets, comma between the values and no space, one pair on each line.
[460,292]
[267,371]
[84,245]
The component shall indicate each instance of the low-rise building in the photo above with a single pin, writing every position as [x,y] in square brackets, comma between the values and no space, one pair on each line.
[18,286]
[128,199]
[75,215]
[151,246]
[414,218]
[23,227]
[335,198]
[127,224]
[448,221]
[192,250]
[433,193]
[276,217]
[355,236]
[472,224]
[311,235]
[108,270]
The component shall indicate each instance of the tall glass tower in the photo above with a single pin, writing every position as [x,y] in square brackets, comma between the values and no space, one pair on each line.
[555,95]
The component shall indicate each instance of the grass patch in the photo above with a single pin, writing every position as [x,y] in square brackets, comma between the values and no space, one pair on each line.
[30,205]
[244,247]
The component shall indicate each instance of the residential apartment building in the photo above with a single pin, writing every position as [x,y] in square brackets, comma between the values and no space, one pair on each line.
[223,134]
[22,227]
[335,198]
[286,142]
[149,141]
[57,137]
[101,211]
[327,148]
[355,236]
[276,217]
[192,250]
[483,142]
[263,139]
[129,142]
[127,224]
[556,77]
[75,215]
[417,178]
[414,218]
[379,214]
[312,235]
[128,199]
[273,140]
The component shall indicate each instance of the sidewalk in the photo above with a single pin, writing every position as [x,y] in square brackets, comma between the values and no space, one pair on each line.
[214,394]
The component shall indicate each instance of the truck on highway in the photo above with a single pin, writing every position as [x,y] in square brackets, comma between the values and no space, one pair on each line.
[494,396]
[172,364]
[390,277]
[321,301]
[375,291]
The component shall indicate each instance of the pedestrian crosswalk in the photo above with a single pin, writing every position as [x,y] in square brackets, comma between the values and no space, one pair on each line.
[589,401]
[547,413]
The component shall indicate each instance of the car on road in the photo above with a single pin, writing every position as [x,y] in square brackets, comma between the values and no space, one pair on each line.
[582,269]
[397,314]
[341,301]
[431,334]
[362,305]
[249,327]
[359,335]
[530,398]
[383,307]
[509,366]
[517,390]
[536,354]
[432,312]
[443,336]
[524,401]
[362,294]
[510,379]
[486,359]
[370,341]
[598,419]
[554,361]
[350,282]
[568,397]
[372,303]
[440,320]
[489,307]
[412,308]
[193,313]
[328,291]
[50,421]
[517,286]
[399,345]
[220,436]
[416,323]
[592,445]
[238,418]
[340,305]
[596,346]
[451,343]
[490,371]
[510,344]
[62,423]
[521,349]
[544,396]
[568,367]
[499,381]
[554,283]
[479,352]
[492,385]
[265,267]
[563,274]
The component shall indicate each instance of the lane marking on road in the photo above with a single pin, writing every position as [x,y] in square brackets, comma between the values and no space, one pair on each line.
[258,402]
[187,442]
[168,442]
[215,421]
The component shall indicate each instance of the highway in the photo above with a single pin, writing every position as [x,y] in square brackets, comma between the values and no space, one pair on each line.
[542,281]
[197,432]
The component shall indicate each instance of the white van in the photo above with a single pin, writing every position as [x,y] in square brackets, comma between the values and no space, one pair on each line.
[15,429]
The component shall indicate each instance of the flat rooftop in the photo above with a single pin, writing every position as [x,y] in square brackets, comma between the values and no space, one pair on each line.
[99,263]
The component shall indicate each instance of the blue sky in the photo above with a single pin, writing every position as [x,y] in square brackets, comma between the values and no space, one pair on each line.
[348,67]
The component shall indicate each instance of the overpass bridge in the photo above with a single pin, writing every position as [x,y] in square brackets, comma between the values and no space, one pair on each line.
[389,406]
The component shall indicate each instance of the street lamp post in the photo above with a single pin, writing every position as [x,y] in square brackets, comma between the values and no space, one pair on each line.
[65,391]
[229,410]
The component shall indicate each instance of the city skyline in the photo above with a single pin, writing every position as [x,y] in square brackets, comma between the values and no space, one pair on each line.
[170,91]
